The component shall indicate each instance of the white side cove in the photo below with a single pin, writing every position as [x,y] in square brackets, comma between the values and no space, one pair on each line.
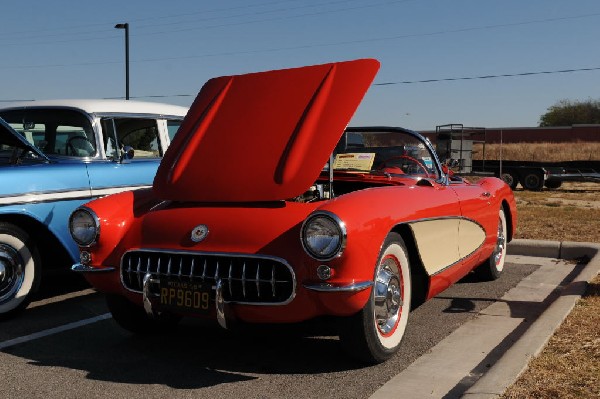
[444,242]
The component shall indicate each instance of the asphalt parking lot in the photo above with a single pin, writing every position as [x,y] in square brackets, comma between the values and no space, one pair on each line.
[67,346]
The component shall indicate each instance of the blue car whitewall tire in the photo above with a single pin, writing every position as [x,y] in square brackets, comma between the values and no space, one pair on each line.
[19,269]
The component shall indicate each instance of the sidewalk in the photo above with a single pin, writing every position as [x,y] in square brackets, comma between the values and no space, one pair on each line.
[486,355]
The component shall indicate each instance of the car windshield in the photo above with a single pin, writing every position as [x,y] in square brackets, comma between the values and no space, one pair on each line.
[61,132]
[14,151]
[384,152]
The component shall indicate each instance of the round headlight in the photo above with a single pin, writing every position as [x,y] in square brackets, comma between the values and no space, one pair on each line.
[324,236]
[84,227]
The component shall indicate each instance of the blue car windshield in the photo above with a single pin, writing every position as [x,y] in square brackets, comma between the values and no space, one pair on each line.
[57,132]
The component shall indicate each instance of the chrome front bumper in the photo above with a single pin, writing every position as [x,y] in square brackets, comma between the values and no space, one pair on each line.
[327,287]
[78,267]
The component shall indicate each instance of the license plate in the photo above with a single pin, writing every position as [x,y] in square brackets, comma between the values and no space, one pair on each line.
[185,296]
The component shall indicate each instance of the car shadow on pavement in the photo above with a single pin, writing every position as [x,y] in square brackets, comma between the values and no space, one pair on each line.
[193,356]
[60,283]
[199,355]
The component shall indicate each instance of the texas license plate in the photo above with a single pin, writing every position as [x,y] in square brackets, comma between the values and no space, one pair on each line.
[185,296]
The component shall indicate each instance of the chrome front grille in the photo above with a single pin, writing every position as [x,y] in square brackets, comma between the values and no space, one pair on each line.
[245,278]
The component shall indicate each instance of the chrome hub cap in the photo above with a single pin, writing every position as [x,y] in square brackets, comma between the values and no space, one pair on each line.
[388,296]
[500,243]
[11,272]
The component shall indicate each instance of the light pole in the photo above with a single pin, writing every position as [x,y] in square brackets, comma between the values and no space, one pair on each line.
[126,27]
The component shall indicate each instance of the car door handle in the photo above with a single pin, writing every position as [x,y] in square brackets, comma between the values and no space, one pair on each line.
[486,194]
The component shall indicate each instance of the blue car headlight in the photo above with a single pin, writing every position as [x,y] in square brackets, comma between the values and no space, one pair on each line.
[84,226]
[323,236]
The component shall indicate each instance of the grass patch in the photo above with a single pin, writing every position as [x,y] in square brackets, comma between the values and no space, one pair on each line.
[569,366]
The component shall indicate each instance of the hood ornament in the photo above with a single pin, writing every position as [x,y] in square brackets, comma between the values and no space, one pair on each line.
[199,233]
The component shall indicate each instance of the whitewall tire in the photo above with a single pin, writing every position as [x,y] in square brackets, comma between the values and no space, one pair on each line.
[374,334]
[20,269]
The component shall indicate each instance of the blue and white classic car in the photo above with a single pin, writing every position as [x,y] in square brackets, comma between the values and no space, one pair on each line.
[56,155]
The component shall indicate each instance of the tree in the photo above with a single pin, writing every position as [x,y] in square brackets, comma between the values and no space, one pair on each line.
[567,113]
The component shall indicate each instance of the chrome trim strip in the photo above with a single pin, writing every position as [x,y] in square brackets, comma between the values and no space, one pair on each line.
[327,287]
[224,254]
[444,217]
[35,197]
[455,263]
[117,115]
[61,195]
[78,267]
[114,190]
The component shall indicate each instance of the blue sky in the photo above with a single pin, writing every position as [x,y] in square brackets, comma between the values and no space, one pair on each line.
[70,49]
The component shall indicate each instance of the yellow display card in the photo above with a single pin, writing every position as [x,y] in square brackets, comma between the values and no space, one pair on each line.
[354,161]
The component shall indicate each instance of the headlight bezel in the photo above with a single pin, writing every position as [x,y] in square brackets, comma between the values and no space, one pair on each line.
[334,221]
[96,224]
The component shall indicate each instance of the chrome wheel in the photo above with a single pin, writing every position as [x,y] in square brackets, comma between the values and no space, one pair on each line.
[500,243]
[388,296]
[19,269]
[492,268]
[11,273]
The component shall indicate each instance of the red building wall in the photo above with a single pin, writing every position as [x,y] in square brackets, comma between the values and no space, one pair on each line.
[589,133]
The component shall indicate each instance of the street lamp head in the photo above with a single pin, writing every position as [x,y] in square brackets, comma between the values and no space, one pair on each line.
[122,26]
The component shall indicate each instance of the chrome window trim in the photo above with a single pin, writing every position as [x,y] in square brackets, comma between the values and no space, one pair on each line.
[442,177]
[88,116]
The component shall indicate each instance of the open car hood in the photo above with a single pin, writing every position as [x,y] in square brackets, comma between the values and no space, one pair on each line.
[11,137]
[262,136]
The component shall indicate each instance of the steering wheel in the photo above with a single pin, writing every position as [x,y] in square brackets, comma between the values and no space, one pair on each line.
[388,163]
[87,146]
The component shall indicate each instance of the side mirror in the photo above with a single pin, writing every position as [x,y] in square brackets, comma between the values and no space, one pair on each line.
[127,154]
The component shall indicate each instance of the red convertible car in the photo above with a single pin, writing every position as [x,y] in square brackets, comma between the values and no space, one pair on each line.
[267,209]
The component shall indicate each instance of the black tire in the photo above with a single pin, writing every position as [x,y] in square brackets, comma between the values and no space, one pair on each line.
[374,334]
[134,318]
[532,181]
[553,183]
[492,268]
[511,179]
[20,269]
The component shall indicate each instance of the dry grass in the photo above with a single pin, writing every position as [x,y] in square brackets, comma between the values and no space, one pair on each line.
[571,213]
[544,152]
[569,366]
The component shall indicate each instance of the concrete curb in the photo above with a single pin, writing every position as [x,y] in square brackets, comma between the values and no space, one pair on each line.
[553,249]
[515,361]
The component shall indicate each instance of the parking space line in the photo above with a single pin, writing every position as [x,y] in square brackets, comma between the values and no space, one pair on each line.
[60,298]
[52,331]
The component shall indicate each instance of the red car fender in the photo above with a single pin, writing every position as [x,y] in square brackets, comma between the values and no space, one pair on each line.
[116,214]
